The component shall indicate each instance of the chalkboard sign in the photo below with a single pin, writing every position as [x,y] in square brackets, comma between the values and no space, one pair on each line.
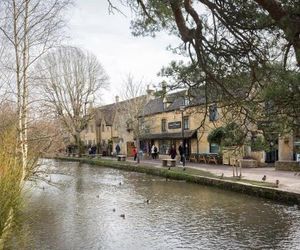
[174,125]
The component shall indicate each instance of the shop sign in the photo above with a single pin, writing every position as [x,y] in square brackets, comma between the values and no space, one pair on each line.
[174,125]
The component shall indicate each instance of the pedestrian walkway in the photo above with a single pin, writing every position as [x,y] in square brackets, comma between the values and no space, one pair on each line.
[288,181]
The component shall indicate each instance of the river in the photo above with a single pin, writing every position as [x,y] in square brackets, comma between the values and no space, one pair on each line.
[86,212]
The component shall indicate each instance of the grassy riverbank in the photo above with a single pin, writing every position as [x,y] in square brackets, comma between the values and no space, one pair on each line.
[254,188]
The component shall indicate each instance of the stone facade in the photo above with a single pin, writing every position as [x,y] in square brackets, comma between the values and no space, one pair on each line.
[164,121]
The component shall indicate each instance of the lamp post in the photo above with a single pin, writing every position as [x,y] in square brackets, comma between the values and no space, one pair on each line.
[182,136]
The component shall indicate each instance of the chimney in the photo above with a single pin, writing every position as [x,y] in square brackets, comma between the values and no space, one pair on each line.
[117,98]
[164,88]
[150,93]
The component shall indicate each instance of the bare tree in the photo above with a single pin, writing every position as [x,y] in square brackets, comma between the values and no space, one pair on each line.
[30,28]
[70,78]
[133,107]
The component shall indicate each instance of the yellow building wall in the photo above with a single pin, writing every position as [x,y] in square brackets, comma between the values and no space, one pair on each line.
[196,116]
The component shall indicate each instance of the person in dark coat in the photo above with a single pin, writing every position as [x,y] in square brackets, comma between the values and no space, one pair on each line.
[118,149]
[173,152]
[181,152]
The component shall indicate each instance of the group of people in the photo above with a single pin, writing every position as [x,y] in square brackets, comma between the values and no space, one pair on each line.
[134,151]
[173,153]
[155,151]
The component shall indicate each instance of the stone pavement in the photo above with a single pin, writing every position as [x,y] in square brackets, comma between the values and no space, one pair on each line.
[288,181]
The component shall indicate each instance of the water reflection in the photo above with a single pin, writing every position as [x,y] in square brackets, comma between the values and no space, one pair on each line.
[179,216]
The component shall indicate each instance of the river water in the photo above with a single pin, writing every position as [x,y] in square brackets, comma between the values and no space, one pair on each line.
[85,213]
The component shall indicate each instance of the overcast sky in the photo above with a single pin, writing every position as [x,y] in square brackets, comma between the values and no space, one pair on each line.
[109,38]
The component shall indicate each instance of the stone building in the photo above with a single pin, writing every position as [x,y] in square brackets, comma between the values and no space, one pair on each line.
[169,119]
[179,118]
[114,124]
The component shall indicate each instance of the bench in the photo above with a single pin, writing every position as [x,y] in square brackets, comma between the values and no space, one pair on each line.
[202,158]
[121,157]
[193,158]
[172,162]
[212,159]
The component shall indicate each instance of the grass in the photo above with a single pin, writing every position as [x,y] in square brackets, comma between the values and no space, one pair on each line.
[176,172]
[252,182]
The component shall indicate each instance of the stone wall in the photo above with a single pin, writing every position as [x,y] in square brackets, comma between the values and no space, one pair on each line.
[264,192]
[287,165]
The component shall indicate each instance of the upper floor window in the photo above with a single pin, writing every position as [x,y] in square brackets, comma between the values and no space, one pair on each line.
[213,113]
[102,127]
[186,123]
[163,125]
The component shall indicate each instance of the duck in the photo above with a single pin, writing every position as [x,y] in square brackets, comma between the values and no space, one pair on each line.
[114,210]
[264,178]
[277,183]
[148,201]
[122,215]
[120,183]
[222,176]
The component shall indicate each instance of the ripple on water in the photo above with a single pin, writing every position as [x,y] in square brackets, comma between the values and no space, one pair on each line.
[86,215]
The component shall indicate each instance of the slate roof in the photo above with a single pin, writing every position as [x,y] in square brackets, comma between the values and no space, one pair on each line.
[175,100]
[108,112]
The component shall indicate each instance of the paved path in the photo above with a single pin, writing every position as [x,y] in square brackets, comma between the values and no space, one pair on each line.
[287,180]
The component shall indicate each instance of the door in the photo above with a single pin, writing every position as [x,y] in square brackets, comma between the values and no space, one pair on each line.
[130,146]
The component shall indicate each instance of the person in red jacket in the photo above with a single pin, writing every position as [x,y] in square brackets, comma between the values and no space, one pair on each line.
[134,152]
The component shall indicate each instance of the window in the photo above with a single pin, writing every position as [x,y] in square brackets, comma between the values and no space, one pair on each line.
[102,127]
[213,113]
[164,146]
[163,125]
[186,123]
[214,148]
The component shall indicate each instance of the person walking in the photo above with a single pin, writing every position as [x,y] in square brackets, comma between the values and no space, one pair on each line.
[152,151]
[173,152]
[118,149]
[134,152]
[181,152]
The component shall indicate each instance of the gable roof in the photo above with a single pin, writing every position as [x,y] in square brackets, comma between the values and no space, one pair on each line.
[108,112]
[174,101]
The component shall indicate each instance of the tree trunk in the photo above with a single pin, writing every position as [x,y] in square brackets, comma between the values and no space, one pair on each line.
[138,149]
[79,144]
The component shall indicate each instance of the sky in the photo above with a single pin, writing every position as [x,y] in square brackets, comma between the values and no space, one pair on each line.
[109,37]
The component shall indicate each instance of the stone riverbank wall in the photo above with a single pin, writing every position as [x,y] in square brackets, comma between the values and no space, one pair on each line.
[275,194]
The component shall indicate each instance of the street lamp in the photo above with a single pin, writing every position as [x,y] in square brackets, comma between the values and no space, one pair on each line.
[182,136]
